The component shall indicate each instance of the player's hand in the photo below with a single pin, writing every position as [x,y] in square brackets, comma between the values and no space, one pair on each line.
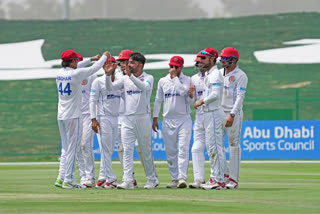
[191,90]
[155,125]
[95,58]
[198,103]
[229,121]
[95,125]
[107,53]
[173,72]
[127,70]
[109,68]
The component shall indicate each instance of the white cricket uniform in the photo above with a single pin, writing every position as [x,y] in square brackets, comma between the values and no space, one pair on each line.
[69,114]
[177,123]
[136,124]
[214,118]
[235,86]
[199,139]
[104,106]
[85,155]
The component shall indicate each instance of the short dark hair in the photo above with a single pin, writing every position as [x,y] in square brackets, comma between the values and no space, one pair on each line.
[66,63]
[136,56]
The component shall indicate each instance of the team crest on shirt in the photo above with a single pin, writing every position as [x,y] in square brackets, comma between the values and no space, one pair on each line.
[232,79]
[84,82]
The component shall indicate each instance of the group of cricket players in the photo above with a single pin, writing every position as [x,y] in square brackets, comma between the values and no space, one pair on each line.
[116,106]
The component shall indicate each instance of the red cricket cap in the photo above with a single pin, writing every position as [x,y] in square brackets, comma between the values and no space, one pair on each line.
[125,54]
[111,59]
[230,52]
[70,54]
[176,61]
[198,57]
[209,52]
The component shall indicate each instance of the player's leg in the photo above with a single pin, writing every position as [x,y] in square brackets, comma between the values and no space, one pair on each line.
[184,136]
[170,135]
[128,138]
[74,131]
[214,139]
[234,136]
[102,171]
[109,130]
[144,138]
[198,147]
[63,134]
[120,146]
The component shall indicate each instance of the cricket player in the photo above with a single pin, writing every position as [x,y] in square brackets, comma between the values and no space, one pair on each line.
[136,125]
[68,81]
[173,90]
[213,116]
[85,156]
[104,110]
[197,90]
[235,86]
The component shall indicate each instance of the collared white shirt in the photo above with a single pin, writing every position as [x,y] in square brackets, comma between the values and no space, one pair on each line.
[175,96]
[69,88]
[214,86]
[198,81]
[137,92]
[235,86]
[103,102]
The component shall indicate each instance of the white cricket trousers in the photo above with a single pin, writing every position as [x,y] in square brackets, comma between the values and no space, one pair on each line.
[70,132]
[85,155]
[107,139]
[137,127]
[234,138]
[177,135]
[214,123]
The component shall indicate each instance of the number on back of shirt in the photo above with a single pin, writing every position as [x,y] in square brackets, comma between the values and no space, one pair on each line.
[66,90]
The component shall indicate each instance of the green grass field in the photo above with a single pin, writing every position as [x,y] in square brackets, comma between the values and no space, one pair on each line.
[28,127]
[264,188]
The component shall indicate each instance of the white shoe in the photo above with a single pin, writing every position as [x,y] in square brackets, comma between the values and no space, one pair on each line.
[100,183]
[173,184]
[210,181]
[112,185]
[72,185]
[232,184]
[126,185]
[151,184]
[226,178]
[90,182]
[214,186]
[83,181]
[182,183]
[196,184]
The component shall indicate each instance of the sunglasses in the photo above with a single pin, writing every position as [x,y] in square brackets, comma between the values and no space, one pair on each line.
[224,58]
[203,57]
[173,66]
[77,59]
[205,52]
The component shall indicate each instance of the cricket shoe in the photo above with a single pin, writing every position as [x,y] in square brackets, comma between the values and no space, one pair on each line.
[72,185]
[214,186]
[100,183]
[232,184]
[196,184]
[226,178]
[90,182]
[126,185]
[210,181]
[112,185]
[151,184]
[83,181]
[173,184]
[182,183]
[58,182]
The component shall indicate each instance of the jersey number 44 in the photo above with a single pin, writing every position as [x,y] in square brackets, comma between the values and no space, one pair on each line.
[66,90]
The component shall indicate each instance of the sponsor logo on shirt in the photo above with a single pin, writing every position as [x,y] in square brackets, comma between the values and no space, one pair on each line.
[200,93]
[83,91]
[168,95]
[133,92]
[113,96]
[68,78]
